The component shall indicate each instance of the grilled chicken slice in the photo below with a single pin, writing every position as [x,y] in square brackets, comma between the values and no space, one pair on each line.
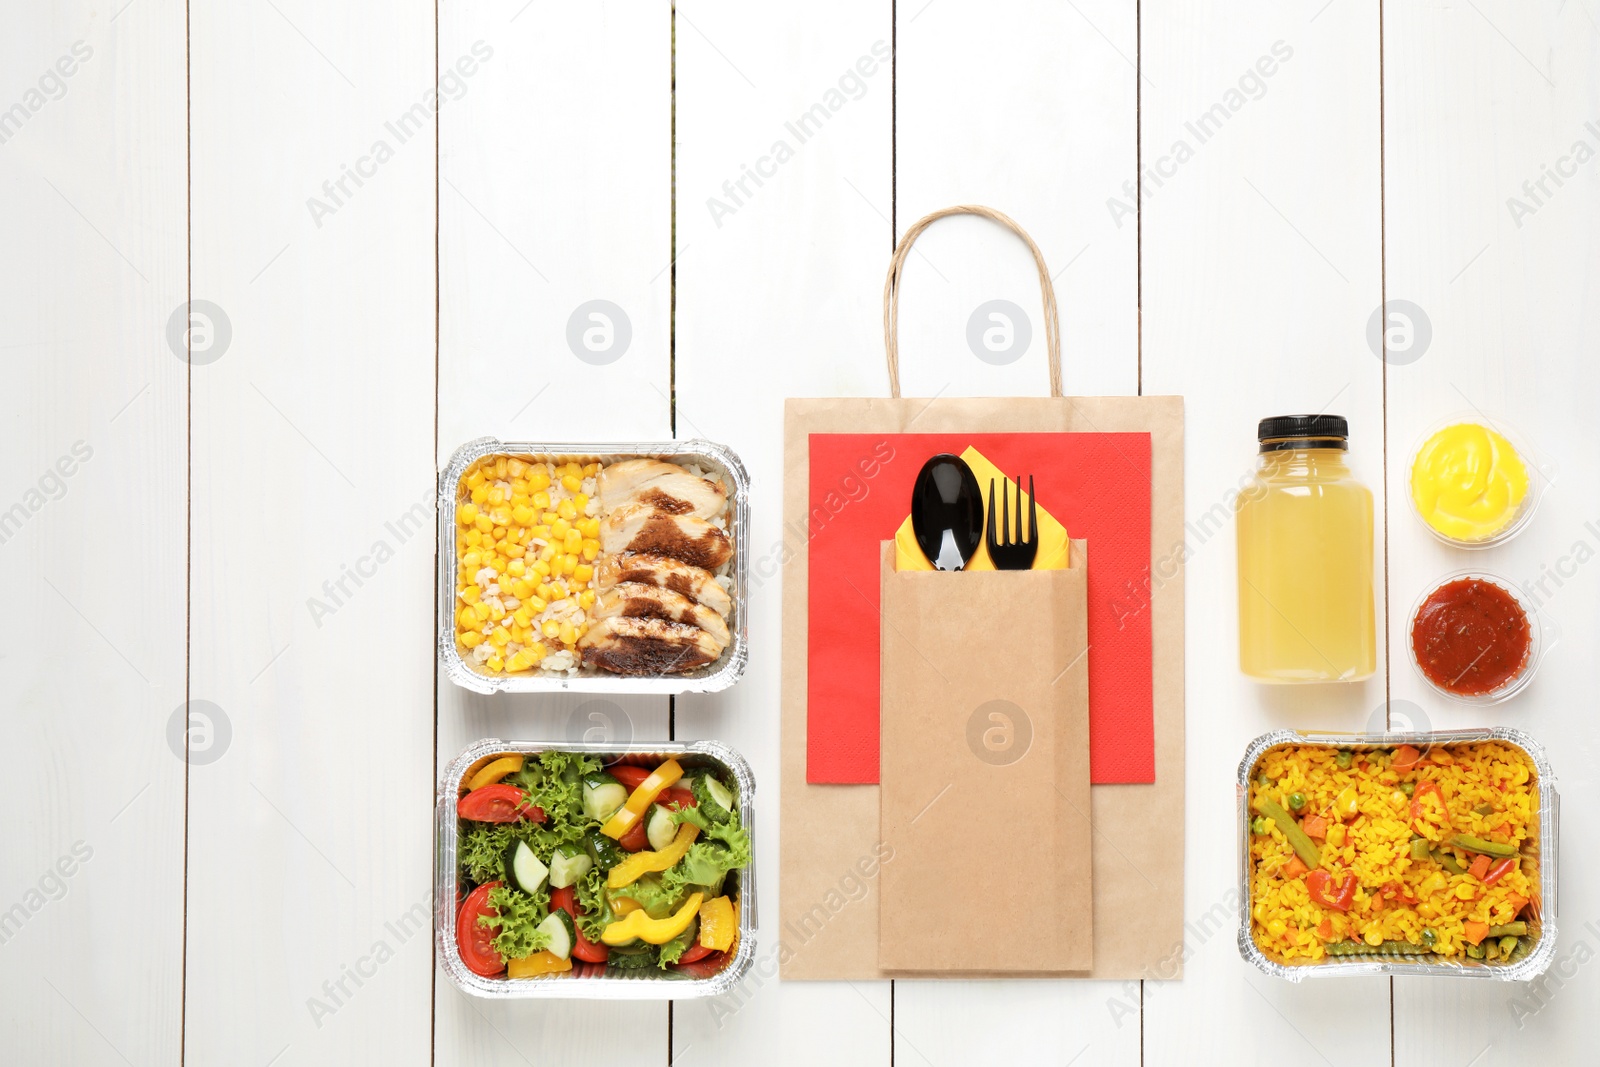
[628,644]
[646,568]
[663,486]
[637,599]
[638,528]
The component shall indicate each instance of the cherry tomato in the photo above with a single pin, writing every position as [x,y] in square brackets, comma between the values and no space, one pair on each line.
[582,949]
[675,797]
[629,776]
[635,839]
[697,951]
[498,803]
[476,943]
[704,967]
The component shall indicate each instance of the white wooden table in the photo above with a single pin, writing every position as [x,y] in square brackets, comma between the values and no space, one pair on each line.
[1226,192]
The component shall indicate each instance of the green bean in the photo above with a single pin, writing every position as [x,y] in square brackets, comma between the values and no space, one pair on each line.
[1477,952]
[1302,844]
[1297,801]
[1258,825]
[1483,809]
[1508,945]
[1343,757]
[1263,781]
[1524,946]
[1429,938]
[1516,929]
[1388,948]
[1448,862]
[1478,844]
[1419,848]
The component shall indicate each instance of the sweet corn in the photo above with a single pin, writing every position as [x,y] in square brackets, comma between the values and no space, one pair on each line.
[582,572]
[482,611]
[494,663]
[467,618]
[1336,834]
[484,524]
[480,495]
[471,594]
[569,564]
[571,482]
[516,568]
[500,637]
[567,510]
[580,501]
[541,567]
[536,604]
[514,551]
[524,616]
[591,550]
[586,599]
[523,516]
[1277,927]
[569,634]
[541,500]
[472,639]
[515,467]
[572,542]
[467,514]
[472,561]
[547,553]
[544,590]
[470,539]
[476,478]
[589,527]
[539,479]
[496,612]
[521,588]
[551,628]
[559,528]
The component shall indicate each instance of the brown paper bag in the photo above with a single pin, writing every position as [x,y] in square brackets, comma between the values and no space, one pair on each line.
[831,855]
[985,769]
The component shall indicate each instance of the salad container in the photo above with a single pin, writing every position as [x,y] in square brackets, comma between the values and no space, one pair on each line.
[629,985]
[714,458]
[1548,818]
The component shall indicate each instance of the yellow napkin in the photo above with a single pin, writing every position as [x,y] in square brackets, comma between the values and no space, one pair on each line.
[1052,555]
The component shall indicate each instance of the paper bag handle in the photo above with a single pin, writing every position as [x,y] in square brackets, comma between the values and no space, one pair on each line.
[891,292]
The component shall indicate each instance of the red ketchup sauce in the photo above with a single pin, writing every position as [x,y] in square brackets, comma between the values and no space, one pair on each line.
[1470,637]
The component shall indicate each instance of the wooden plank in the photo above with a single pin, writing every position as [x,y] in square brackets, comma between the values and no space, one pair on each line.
[310,860]
[778,279]
[1493,231]
[1035,116]
[92,533]
[575,207]
[1261,267]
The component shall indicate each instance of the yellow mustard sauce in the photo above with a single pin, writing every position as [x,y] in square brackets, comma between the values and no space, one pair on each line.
[1468,482]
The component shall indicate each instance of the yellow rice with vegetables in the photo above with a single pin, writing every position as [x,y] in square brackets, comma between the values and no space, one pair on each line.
[1395,852]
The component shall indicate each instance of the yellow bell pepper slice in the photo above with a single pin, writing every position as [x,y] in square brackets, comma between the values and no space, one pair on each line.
[655,931]
[543,962]
[640,800]
[639,864]
[494,771]
[624,906]
[718,924]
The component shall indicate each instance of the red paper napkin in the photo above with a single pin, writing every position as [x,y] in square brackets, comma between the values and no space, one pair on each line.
[1096,484]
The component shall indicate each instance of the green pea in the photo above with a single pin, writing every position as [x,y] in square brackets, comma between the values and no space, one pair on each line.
[1343,757]
[1263,780]
[1258,825]
[1297,801]
[1408,788]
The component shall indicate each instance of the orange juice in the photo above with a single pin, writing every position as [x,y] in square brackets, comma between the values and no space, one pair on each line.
[1305,558]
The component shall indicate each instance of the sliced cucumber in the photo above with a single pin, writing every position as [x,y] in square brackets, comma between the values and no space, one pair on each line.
[558,924]
[714,799]
[602,795]
[602,850]
[524,870]
[566,869]
[660,830]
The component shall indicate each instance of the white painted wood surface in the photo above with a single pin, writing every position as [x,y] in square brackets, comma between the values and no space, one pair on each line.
[1245,281]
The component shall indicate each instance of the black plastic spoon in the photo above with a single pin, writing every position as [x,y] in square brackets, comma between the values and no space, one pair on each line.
[947,512]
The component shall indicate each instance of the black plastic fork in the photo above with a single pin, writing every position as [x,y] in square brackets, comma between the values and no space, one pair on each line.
[1004,553]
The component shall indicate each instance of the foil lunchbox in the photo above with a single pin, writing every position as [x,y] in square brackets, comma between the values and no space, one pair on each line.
[713,677]
[625,985]
[1547,818]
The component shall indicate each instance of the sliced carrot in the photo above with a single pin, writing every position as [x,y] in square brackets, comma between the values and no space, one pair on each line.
[1315,826]
[1295,868]
[1479,868]
[1476,932]
[1405,758]
[1325,931]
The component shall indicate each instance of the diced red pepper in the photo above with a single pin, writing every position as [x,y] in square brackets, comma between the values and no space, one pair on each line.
[1424,787]
[1317,884]
[1499,870]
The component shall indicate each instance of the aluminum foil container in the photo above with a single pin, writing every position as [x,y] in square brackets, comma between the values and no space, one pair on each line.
[1547,824]
[630,985]
[727,669]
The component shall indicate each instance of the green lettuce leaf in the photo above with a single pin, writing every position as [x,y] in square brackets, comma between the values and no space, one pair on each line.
[553,782]
[673,950]
[482,849]
[519,915]
[590,892]
[722,847]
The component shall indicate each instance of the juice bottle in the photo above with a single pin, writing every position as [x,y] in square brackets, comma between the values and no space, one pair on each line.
[1305,557]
